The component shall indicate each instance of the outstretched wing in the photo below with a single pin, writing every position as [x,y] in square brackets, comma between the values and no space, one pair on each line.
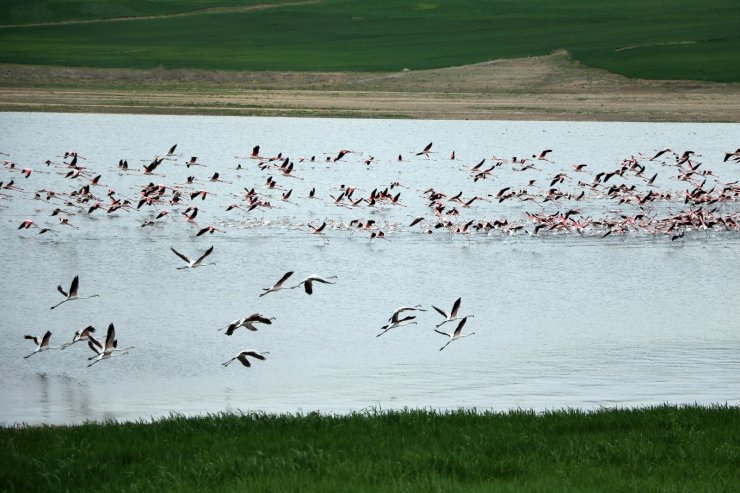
[93,342]
[255,354]
[308,286]
[443,333]
[74,286]
[92,346]
[61,290]
[460,326]
[441,312]
[456,307]
[110,337]
[256,317]
[45,340]
[180,255]
[283,279]
[208,252]
[320,279]
[243,358]
[33,338]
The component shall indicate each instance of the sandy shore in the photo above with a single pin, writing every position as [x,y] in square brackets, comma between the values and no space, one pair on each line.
[539,88]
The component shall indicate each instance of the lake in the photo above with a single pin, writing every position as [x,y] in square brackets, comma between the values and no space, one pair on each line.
[566,317]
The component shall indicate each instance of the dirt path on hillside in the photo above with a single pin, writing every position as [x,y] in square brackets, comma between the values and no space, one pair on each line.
[207,10]
[538,88]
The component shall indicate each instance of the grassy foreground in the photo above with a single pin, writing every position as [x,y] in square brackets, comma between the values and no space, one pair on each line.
[660,39]
[664,448]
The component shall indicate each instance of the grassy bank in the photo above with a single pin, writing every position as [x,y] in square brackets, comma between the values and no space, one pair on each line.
[666,39]
[654,449]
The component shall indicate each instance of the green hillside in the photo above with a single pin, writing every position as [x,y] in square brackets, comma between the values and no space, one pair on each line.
[662,39]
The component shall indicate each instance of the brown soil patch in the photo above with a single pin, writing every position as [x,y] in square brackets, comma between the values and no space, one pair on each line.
[538,88]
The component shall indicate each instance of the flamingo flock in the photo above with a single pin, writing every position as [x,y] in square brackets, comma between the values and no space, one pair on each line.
[630,197]
[633,197]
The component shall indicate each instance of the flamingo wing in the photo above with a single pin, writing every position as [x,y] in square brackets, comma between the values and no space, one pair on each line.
[283,279]
[256,317]
[460,326]
[32,338]
[110,338]
[74,286]
[208,252]
[320,279]
[180,255]
[92,346]
[92,341]
[61,290]
[255,354]
[456,307]
[45,340]
[441,312]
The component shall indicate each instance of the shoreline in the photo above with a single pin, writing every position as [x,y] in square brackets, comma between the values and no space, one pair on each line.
[550,88]
[373,413]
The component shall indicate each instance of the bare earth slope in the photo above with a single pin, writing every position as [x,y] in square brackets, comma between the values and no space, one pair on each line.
[553,87]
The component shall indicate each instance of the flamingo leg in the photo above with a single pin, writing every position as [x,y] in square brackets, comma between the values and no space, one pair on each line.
[64,301]
[448,343]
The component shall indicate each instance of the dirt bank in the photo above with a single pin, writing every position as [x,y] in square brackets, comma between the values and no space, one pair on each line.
[538,88]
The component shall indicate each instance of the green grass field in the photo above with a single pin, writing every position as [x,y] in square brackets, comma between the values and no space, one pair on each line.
[661,39]
[664,448]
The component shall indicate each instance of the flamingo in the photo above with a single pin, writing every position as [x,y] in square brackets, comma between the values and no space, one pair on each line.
[317,230]
[81,335]
[111,345]
[41,346]
[72,295]
[193,264]
[397,322]
[308,282]
[405,309]
[455,335]
[242,357]
[278,285]
[542,154]
[248,323]
[453,314]
[210,230]
[426,150]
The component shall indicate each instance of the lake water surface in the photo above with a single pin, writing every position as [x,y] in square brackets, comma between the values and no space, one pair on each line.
[561,320]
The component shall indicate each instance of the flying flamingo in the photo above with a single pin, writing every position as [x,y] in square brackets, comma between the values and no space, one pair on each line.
[426,150]
[455,335]
[308,282]
[405,309]
[242,357]
[278,285]
[196,263]
[248,323]
[111,345]
[453,314]
[43,345]
[72,295]
[396,322]
[81,335]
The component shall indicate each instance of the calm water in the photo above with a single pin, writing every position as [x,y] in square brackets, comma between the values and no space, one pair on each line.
[560,320]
